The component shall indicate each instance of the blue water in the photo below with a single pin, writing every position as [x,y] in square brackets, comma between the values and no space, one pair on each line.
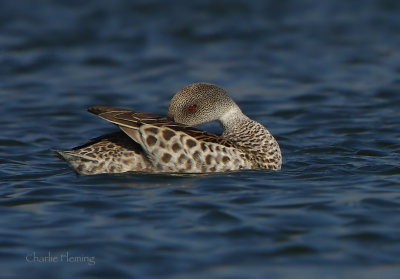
[323,76]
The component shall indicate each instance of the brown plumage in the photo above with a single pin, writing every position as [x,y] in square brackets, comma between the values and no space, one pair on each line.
[151,143]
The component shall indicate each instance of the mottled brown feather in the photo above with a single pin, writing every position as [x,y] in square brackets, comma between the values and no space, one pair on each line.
[133,119]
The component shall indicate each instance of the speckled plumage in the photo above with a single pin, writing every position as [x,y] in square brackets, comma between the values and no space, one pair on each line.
[150,143]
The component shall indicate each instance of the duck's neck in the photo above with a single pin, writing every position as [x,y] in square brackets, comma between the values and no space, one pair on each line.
[233,121]
[251,136]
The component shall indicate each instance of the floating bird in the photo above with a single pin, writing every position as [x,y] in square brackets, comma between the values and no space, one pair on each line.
[154,144]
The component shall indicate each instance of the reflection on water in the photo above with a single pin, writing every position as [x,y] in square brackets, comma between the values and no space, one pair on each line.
[323,77]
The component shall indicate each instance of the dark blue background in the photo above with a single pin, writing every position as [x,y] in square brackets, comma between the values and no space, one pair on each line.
[323,76]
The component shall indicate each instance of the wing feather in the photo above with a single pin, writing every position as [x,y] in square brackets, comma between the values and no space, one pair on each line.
[134,120]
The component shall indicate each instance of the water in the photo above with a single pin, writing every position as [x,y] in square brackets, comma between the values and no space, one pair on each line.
[322,76]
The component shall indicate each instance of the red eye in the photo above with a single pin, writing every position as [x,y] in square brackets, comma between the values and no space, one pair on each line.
[192,107]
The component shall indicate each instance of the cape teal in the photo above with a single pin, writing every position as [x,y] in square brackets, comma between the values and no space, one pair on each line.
[151,143]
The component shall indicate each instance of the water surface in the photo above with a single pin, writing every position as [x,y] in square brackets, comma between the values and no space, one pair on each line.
[323,77]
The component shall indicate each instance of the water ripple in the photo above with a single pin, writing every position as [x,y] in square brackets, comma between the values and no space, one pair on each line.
[325,84]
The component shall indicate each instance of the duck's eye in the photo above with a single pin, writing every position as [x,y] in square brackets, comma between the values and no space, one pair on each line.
[193,107]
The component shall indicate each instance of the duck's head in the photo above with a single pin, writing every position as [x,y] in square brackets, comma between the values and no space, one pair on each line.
[200,103]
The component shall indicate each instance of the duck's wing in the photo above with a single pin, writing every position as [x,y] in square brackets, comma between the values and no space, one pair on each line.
[167,143]
[134,120]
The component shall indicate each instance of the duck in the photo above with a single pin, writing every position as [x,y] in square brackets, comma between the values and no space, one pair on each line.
[151,143]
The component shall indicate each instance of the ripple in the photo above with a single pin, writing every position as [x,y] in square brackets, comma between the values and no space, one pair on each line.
[101,61]
[294,250]
[370,153]
[326,85]
[380,203]
[247,232]
[11,143]
[216,217]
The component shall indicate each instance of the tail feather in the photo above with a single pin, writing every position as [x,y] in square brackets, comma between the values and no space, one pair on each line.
[77,162]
